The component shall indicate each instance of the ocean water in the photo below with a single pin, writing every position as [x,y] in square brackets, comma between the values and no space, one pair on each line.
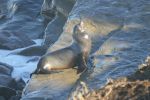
[21,64]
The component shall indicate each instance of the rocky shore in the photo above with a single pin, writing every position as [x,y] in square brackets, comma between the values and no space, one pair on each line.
[119,32]
[10,89]
[132,87]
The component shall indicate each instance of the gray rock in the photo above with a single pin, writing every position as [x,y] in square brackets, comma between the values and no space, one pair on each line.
[51,86]
[24,17]
[64,7]
[3,7]
[60,9]
[100,19]
[55,19]
[29,8]
[54,29]
[34,50]
[7,81]
[13,40]
[6,93]
[47,10]
[120,35]
[52,33]
[5,69]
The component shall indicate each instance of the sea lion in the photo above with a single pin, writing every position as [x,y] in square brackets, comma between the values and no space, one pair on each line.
[74,55]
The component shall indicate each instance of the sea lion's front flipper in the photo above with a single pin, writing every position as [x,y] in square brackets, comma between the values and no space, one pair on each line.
[82,65]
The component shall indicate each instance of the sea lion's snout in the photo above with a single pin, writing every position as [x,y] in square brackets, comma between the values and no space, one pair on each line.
[86,36]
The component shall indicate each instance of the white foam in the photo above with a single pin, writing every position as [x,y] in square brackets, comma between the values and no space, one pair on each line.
[38,41]
[22,69]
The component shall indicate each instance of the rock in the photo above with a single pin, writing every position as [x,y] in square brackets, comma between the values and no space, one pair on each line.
[7,86]
[33,28]
[6,93]
[122,89]
[52,33]
[24,17]
[3,11]
[3,7]
[29,8]
[54,29]
[47,10]
[13,40]
[64,7]
[60,10]
[143,72]
[99,22]
[2,98]
[5,69]
[2,16]
[7,81]
[34,50]
[50,86]
[134,87]
[120,36]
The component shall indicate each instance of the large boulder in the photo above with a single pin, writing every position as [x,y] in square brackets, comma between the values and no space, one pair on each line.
[64,7]
[119,31]
[7,81]
[5,69]
[100,19]
[3,7]
[24,17]
[6,93]
[60,9]
[13,40]
[7,86]
[50,86]
[54,29]
[29,8]
[133,87]
[55,14]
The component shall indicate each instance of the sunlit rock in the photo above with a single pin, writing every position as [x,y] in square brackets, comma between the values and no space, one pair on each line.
[51,86]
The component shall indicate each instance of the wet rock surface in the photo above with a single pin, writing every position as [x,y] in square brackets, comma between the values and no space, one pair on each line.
[134,87]
[50,86]
[13,40]
[54,30]
[22,17]
[8,85]
[55,13]
[122,89]
[64,7]
[5,69]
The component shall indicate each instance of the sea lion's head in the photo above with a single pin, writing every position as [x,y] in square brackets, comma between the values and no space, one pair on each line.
[82,38]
